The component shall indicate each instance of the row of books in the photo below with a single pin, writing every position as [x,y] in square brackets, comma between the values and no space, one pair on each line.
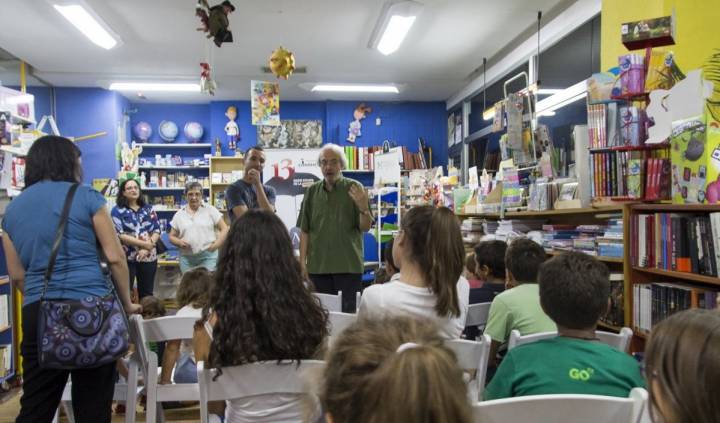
[612,126]
[629,174]
[162,179]
[654,302]
[363,158]
[678,242]
[595,240]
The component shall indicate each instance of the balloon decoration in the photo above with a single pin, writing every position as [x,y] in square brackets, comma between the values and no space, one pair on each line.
[282,63]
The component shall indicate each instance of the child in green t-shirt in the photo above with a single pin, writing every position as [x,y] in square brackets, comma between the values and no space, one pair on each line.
[574,292]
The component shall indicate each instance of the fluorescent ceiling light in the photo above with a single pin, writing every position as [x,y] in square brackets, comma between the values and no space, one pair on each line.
[395,22]
[89,25]
[155,86]
[564,97]
[547,113]
[356,88]
[489,114]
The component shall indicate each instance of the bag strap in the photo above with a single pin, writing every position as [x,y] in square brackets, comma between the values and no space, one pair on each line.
[59,235]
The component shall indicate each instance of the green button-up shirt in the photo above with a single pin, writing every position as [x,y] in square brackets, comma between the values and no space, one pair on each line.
[332,221]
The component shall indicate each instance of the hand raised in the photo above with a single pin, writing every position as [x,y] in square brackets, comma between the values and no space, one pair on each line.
[359,196]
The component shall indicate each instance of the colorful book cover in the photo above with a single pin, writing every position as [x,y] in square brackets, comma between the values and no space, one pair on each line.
[634,178]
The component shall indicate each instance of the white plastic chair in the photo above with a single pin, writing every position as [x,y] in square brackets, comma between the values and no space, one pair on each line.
[563,408]
[477,315]
[158,330]
[621,340]
[247,380]
[340,321]
[330,302]
[473,355]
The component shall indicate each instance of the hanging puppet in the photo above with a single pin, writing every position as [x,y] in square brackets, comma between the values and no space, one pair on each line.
[207,84]
[354,130]
[214,20]
[231,128]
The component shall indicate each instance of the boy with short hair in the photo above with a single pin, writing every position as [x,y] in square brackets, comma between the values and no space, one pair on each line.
[519,306]
[574,292]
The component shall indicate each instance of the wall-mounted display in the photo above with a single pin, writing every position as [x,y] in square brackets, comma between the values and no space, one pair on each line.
[291,134]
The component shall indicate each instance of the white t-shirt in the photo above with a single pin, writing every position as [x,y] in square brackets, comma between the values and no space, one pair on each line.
[197,229]
[398,297]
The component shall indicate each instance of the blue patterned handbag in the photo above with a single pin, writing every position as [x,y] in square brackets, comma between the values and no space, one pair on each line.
[84,333]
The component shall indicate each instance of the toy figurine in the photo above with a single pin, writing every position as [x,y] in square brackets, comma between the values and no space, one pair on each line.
[231,128]
[218,148]
[214,20]
[354,130]
[282,63]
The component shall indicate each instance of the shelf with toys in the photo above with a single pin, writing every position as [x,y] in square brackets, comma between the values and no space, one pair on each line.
[223,172]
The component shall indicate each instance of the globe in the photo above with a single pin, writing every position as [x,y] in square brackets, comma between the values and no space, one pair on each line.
[193,131]
[168,130]
[142,131]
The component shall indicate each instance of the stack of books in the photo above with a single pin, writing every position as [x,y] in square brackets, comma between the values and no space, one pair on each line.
[610,244]
[472,230]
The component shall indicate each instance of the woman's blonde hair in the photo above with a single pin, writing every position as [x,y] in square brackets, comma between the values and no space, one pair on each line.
[682,364]
[194,289]
[370,379]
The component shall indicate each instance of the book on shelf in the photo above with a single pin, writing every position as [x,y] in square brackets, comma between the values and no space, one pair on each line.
[656,301]
[631,174]
[4,310]
[616,314]
[676,242]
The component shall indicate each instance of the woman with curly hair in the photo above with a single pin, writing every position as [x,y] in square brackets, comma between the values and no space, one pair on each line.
[260,310]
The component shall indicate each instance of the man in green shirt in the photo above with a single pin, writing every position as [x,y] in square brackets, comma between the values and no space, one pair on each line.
[518,307]
[335,213]
[574,292]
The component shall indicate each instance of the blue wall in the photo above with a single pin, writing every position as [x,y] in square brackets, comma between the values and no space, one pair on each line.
[82,111]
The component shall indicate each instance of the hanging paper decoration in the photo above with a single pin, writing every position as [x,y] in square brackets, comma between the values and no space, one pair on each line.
[265,103]
[282,63]
[359,113]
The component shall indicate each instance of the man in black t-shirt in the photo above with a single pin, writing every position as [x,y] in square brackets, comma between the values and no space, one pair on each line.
[249,192]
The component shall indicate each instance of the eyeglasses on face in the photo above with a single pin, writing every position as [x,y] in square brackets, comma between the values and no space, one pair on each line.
[331,162]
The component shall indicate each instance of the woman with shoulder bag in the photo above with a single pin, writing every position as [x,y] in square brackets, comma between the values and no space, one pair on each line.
[51,232]
[139,231]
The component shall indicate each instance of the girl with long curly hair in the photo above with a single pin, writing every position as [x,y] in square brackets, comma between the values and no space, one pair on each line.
[260,310]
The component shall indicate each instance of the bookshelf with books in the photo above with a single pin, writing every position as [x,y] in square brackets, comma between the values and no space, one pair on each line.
[672,262]
[223,172]
[362,159]
[8,330]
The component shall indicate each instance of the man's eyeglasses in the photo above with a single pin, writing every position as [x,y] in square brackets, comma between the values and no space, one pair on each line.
[332,162]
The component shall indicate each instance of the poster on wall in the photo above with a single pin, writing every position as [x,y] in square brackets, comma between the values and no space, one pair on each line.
[297,134]
[265,99]
[290,171]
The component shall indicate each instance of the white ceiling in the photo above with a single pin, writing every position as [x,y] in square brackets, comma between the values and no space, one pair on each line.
[330,37]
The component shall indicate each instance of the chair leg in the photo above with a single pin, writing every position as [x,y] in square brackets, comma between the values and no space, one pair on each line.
[131,400]
[55,417]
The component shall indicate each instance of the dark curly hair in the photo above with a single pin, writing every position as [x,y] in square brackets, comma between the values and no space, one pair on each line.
[492,255]
[264,309]
[523,258]
[52,158]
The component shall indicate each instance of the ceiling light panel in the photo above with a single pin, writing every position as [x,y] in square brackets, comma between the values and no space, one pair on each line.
[89,24]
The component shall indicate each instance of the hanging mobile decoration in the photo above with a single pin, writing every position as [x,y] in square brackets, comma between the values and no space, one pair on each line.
[282,63]
[207,84]
[214,21]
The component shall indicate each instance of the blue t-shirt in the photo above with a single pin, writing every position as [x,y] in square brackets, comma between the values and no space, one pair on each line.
[31,221]
[240,193]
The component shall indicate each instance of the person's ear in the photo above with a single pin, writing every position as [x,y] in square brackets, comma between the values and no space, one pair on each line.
[485,269]
[510,281]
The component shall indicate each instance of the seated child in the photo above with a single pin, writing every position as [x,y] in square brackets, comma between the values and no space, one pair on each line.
[469,272]
[519,306]
[153,308]
[575,293]
[395,369]
[192,295]
[683,369]
[489,261]
[390,271]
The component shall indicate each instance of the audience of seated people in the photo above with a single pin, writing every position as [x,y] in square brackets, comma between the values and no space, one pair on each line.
[575,293]
[394,369]
[518,307]
[430,252]
[389,271]
[487,266]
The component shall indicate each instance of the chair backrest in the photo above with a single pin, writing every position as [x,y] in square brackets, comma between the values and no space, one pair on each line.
[477,314]
[330,302]
[158,330]
[621,340]
[473,355]
[247,380]
[563,408]
[339,321]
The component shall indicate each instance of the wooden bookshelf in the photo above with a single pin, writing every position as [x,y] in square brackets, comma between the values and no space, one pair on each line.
[546,213]
[636,275]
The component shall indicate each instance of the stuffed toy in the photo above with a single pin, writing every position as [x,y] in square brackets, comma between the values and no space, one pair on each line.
[207,84]
[282,63]
[354,130]
[214,20]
